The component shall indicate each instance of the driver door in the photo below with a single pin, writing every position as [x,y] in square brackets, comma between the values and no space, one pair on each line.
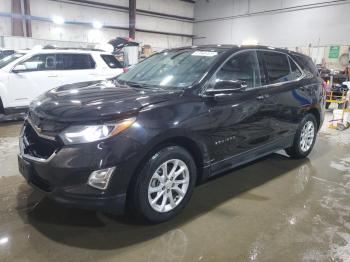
[31,78]
[240,121]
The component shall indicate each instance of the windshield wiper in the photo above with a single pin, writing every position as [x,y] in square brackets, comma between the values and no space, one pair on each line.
[137,85]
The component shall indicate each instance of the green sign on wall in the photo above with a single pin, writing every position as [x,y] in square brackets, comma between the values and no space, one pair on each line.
[334,51]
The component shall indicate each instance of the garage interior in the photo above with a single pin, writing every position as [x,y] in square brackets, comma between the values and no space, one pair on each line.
[273,209]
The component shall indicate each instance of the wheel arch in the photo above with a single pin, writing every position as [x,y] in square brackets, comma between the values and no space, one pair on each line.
[187,143]
[317,115]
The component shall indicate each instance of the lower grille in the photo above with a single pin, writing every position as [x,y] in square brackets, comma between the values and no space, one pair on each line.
[37,146]
[40,182]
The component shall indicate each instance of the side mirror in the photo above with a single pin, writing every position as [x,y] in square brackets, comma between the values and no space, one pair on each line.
[227,86]
[19,68]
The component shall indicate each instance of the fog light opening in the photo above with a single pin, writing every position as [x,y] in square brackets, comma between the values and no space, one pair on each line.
[100,178]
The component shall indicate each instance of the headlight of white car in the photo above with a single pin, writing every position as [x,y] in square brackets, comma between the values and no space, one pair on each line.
[90,133]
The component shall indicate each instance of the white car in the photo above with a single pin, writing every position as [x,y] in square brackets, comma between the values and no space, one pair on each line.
[26,75]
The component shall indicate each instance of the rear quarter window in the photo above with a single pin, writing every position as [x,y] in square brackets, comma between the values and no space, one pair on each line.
[111,61]
[306,65]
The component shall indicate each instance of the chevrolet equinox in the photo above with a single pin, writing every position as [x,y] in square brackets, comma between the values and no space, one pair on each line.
[141,142]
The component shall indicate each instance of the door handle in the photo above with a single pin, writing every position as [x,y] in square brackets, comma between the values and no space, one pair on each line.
[262,97]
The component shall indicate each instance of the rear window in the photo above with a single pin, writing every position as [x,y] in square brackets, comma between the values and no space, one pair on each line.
[111,61]
[74,61]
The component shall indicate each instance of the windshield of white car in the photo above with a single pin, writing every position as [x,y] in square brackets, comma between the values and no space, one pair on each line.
[170,69]
[8,59]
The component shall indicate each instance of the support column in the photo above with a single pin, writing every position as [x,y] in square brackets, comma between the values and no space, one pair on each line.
[16,21]
[132,18]
[28,22]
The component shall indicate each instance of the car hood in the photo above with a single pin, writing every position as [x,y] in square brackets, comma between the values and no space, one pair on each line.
[97,100]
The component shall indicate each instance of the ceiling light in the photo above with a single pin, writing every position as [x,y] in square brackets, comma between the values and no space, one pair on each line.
[58,20]
[97,25]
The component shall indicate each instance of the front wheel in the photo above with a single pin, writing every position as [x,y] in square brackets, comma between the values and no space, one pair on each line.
[165,185]
[305,138]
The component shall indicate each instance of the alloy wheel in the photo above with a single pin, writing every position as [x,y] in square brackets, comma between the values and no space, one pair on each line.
[168,185]
[307,136]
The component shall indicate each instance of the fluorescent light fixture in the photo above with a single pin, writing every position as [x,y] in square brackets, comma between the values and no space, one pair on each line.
[58,20]
[250,42]
[97,24]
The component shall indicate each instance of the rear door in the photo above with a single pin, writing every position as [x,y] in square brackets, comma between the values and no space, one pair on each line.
[283,92]
[240,121]
[76,67]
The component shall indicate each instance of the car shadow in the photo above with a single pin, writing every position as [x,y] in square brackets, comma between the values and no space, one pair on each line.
[92,230]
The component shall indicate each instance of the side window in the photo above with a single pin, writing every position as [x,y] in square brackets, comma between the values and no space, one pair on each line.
[307,65]
[75,62]
[277,66]
[295,71]
[40,63]
[241,67]
[111,61]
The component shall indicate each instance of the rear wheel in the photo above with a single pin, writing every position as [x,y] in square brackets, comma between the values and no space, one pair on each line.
[305,138]
[165,185]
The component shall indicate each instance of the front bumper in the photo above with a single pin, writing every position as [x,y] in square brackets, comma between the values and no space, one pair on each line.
[78,195]
[63,176]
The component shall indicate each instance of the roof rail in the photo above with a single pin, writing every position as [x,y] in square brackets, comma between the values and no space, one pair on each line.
[72,48]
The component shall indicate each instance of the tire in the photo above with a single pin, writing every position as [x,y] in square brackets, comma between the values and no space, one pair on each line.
[152,178]
[327,105]
[301,149]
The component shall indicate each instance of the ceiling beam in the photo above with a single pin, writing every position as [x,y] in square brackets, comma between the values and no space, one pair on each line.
[126,9]
[132,18]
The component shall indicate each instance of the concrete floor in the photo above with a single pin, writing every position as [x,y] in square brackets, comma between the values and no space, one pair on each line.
[275,209]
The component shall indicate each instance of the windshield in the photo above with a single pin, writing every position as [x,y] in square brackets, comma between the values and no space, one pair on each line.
[8,59]
[174,69]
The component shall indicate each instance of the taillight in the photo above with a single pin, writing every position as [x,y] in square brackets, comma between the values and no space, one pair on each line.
[125,69]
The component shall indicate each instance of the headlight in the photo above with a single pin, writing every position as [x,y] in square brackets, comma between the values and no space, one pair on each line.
[91,133]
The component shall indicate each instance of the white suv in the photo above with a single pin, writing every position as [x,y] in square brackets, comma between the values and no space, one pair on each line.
[24,76]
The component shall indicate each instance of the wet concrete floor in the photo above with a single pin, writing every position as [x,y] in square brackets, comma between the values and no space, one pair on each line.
[275,209]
